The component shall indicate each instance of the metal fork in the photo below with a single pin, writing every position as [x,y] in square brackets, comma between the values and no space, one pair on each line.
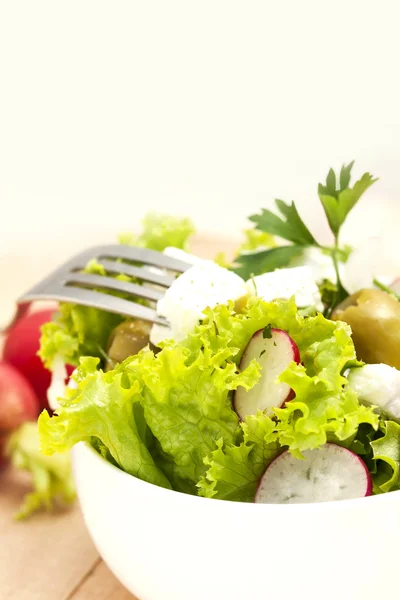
[69,283]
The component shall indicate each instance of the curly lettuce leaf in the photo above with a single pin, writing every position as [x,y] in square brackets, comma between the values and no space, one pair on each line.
[318,414]
[324,406]
[386,452]
[234,471]
[168,418]
[157,416]
[323,409]
[161,231]
[187,404]
[104,406]
[51,476]
[360,444]
[223,327]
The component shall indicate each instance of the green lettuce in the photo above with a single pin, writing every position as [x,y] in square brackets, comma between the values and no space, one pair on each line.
[51,476]
[104,406]
[324,408]
[187,404]
[157,416]
[386,453]
[161,231]
[234,471]
[168,418]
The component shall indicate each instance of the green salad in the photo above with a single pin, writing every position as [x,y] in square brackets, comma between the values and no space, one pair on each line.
[276,379]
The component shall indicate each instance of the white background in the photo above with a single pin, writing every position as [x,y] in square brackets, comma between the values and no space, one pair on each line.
[212,109]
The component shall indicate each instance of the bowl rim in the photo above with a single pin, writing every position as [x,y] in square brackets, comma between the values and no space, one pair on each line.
[333,505]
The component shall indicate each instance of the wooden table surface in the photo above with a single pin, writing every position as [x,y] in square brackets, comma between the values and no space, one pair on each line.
[50,556]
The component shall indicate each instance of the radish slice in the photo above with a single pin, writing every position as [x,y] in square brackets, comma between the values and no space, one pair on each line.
[274,349]
[327,473]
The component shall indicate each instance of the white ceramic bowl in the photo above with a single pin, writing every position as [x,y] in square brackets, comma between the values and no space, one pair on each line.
[164,545]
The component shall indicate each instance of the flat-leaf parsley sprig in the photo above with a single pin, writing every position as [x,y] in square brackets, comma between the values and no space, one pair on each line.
[337,199]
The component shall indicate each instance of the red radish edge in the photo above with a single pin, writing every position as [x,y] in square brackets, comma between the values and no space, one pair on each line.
[258,341]
[367,473]
[360,462]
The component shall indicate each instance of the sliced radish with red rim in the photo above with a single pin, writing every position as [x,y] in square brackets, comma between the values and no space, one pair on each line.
[274,349]
[325,474]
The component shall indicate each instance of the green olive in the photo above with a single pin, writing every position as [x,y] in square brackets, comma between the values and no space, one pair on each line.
[127,339]
[374,317]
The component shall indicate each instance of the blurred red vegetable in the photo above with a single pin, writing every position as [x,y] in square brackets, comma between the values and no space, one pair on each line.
[20,350]
[18,401]
[3,459]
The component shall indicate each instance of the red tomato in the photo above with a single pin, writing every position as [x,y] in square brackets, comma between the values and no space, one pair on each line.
[20,350]
[18,401]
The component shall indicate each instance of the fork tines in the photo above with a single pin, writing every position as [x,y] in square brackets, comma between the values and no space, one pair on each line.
[69,283]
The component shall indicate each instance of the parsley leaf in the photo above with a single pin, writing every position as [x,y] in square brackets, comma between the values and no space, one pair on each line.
[263,261]
[338,203]
[267,333]
[338,199]
[290,226]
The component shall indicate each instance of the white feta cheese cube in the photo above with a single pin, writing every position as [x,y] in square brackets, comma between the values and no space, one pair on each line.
[379,385]
[202,285]
[285,283]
